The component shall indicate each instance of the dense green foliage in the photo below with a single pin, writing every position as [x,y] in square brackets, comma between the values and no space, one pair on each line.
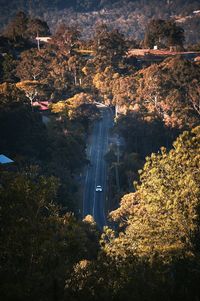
[38,245]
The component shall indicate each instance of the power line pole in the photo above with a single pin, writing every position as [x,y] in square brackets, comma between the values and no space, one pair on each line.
[38,41]
[116,111]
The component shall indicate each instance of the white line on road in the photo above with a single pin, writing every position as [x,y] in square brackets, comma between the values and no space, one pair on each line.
[97,167]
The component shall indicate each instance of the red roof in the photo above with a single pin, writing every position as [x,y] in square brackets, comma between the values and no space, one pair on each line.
[42,105]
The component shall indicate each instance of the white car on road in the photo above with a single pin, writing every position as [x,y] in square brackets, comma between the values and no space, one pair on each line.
[98,188]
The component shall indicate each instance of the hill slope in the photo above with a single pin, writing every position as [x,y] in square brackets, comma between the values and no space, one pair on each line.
[130,16]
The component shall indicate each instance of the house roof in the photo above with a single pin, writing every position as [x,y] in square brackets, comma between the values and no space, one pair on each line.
[42,105]
[159,52]
[43,39]
[197,59]
[5,160]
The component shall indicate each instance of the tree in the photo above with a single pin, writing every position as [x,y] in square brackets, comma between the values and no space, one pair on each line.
[154,33]
[39,246]
[79,108]
[162,215]
[16,29]
[194,95]
[109,43]
[23,28]
[33,65]
[103,81]
[75,65]
[66,38]
[163,33]
[109,46]
[124,89]
[11,96]
[159,235]
[175,34]
[37,27]
[8,68]
[24,134]
[165,90]
[32,89]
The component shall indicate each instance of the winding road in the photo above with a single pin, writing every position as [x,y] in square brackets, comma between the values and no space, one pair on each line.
[96,172]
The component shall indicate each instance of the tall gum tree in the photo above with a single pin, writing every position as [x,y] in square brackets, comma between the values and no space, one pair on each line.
[162,216]
[165,90]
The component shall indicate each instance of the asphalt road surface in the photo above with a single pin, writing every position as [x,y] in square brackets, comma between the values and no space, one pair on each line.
[96,171]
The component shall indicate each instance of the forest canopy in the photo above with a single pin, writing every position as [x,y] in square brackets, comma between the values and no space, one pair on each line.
[71,106]
[130,16]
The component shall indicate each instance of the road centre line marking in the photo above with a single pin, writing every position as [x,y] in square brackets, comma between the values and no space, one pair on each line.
[96,169]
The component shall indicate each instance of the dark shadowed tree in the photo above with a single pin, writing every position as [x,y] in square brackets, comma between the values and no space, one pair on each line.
[16,29]
[109,45]
[164,34]
[37,27]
